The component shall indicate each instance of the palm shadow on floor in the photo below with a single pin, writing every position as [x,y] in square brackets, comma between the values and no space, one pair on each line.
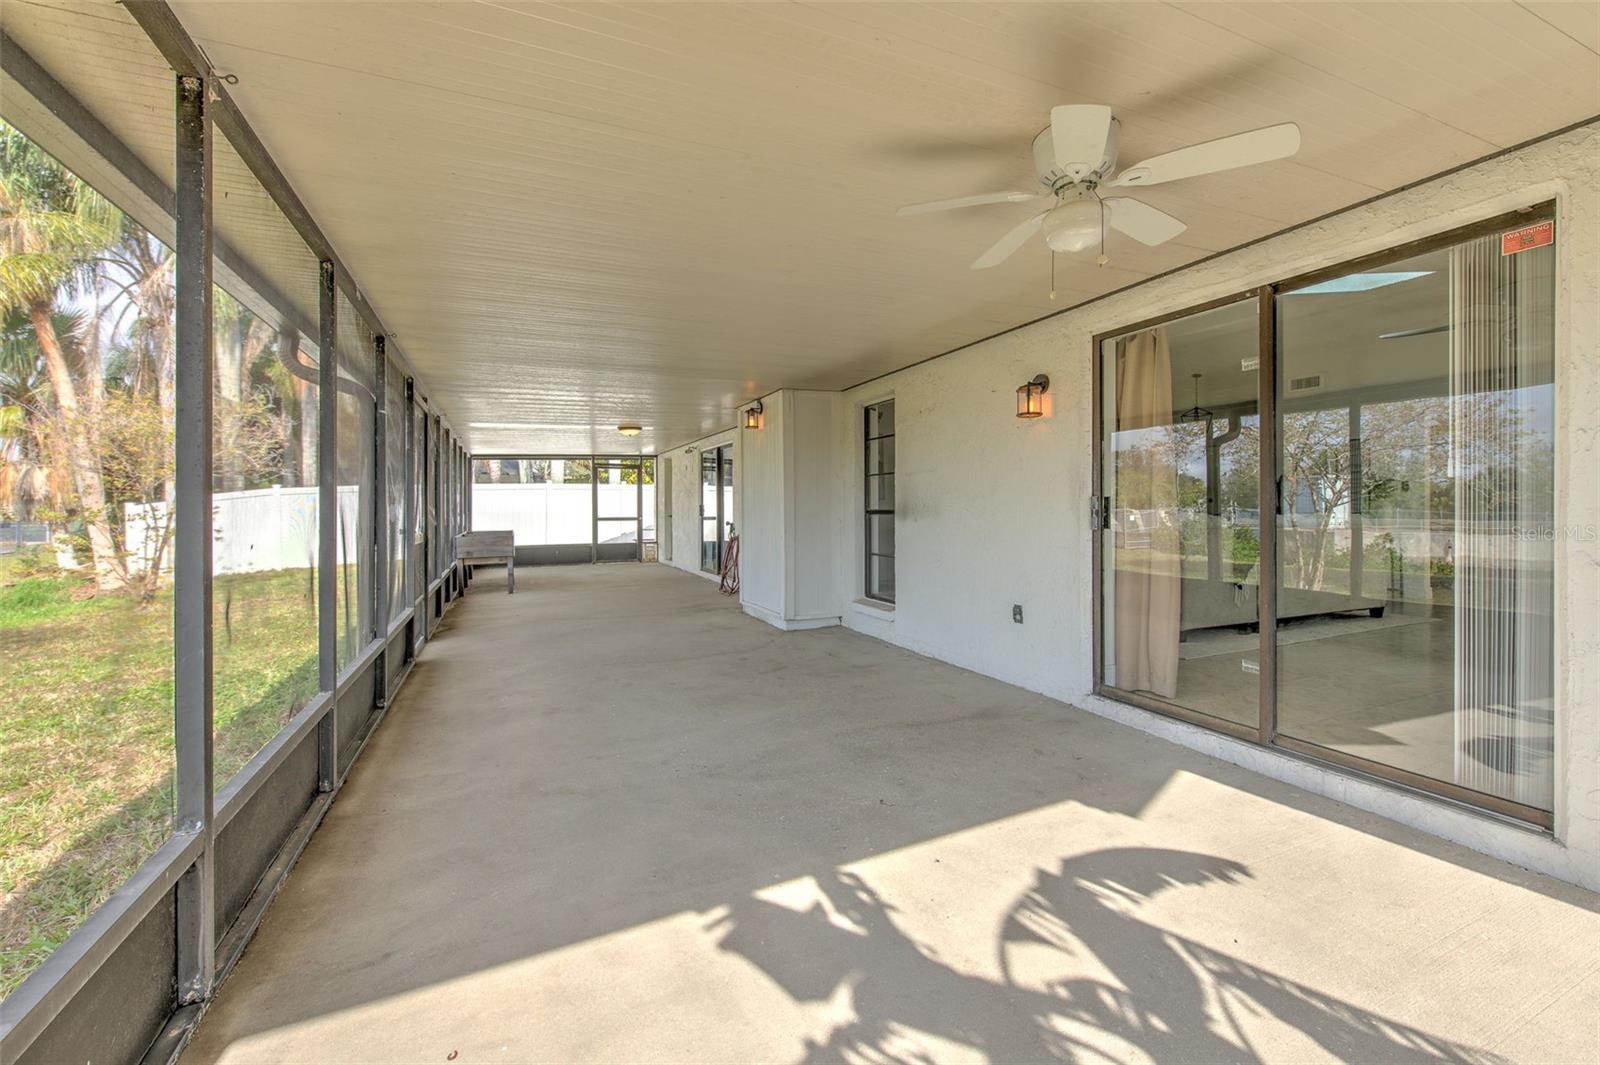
[1135,991]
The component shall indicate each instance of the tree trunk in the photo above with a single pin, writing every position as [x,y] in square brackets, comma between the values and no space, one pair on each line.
[82,455]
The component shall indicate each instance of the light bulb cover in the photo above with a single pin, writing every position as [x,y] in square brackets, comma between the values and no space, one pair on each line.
[752,416]
[628,429]
[1072,226]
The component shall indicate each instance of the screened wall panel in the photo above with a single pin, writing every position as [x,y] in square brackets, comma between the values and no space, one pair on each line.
[356,502]
[264,473]
[86,623]
[395,472]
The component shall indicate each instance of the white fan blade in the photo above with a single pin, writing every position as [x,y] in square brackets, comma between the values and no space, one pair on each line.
[969,201]
[1078,134]
[1010,243]
[1225,153]
[1143,223]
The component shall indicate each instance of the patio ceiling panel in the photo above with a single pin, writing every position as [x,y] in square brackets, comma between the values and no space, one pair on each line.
[579,215]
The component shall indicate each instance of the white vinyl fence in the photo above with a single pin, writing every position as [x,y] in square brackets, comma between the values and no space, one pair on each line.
[254,531]
[552,513]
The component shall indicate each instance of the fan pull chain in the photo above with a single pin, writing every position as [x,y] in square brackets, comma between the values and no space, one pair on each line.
[1101,260]
[1052,275]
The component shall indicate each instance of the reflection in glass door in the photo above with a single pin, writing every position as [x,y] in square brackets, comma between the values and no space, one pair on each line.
[1415,451]
[710,521]
[716,505]
[1180,530]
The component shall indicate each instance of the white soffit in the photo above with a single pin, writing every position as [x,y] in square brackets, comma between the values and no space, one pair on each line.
[580,215]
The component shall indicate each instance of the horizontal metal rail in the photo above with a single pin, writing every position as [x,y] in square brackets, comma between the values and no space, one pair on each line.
[30,1008]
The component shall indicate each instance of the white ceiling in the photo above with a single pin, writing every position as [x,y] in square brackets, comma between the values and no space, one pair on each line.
[577,215]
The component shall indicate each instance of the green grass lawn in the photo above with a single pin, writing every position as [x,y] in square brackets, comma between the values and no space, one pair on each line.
[86,748]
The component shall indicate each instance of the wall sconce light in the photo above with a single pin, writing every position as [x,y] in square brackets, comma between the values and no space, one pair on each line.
[752,416]
[1030,397]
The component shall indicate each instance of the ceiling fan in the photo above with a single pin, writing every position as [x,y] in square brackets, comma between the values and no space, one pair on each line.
[1074,158]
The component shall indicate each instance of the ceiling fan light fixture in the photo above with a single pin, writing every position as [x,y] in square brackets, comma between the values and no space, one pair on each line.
[1073,226]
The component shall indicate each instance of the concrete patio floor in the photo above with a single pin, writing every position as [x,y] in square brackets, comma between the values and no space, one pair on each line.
[611,818]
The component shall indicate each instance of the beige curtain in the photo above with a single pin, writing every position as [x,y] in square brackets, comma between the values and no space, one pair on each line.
[1146,575]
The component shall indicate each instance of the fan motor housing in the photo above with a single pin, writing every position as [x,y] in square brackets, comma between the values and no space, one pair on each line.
[1051,176]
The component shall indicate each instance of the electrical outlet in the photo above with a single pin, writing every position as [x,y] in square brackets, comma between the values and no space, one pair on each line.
[1016,613]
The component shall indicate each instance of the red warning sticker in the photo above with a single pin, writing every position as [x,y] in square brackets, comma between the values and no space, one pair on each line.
[1534,236]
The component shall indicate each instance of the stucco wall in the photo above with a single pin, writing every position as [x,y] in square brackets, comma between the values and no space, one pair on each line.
[965,556]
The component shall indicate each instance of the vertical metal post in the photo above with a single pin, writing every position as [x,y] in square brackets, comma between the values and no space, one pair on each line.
[409,504]
[191,551]
[327,522]
[1267,569]
[594,507]
[380,522]
[435,526]
[638,512]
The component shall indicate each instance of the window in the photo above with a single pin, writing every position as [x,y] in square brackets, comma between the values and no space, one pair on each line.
[1389,604]
[879,454]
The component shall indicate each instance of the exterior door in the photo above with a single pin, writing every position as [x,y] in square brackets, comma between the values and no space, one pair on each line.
[710,518]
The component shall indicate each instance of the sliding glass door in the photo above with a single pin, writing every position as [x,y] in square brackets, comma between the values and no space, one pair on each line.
[716,505]
[1415,451]
[1365,575]
[1181,468]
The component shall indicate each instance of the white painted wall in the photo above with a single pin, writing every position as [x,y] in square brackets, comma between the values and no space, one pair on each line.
[789,539]
[965,557]
[763,545]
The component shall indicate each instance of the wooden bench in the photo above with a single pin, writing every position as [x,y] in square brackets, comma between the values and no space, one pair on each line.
[489,549]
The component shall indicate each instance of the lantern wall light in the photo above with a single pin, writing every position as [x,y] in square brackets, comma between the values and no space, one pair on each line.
[1030,397]
[752,416]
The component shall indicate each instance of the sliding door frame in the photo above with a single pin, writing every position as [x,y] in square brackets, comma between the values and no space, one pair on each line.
[1265,733]
[1100,521]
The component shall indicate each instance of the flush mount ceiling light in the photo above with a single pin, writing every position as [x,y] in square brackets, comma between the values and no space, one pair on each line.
[752,416]
[1030,397]
[628,429]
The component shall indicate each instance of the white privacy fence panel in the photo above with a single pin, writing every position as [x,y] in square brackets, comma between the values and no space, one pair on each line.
[253,531]
[553,513]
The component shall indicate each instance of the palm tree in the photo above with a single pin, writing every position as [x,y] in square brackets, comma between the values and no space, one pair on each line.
[32,472]
[52,225]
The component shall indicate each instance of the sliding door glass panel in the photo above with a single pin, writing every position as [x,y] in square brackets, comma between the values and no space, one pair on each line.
[1181,455]
[725,514]
[710,523]
[1415,534]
